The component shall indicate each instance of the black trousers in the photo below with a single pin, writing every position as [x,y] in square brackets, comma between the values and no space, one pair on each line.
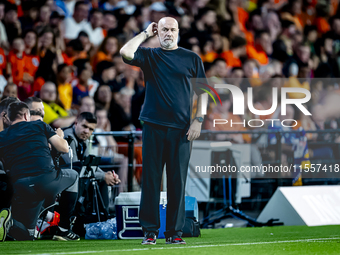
[170,146]
[30,194]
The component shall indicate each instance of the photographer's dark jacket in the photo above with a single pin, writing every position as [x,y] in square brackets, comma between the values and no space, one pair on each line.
[80,151]
[24,149]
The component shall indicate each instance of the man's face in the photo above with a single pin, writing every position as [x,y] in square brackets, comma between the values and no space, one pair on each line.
[11,91]
[257,22]
[81,13]
[266,43]
[37,111]
[209,18]
[168,33]
[84,129]
[87,105]
[101,118]
[304,53]
[109,21]
[221,69]
[48,93]
[18,45]
[96,19]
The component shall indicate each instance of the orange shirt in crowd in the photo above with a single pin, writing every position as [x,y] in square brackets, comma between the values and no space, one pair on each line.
[322,25]
[23,67]
[100,56]
[260,56]
[242,18]
[69,60]
[3,61]
[228,56]
[38,83]
[65,95]
[209,57]
[23,72]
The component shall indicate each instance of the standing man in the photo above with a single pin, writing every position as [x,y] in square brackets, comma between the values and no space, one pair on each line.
[168,130]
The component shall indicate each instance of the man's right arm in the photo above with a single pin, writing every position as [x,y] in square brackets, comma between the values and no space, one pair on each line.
[129,49]
[58,141]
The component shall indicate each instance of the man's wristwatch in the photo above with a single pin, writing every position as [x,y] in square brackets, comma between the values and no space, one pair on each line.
[146,33]
[200,119]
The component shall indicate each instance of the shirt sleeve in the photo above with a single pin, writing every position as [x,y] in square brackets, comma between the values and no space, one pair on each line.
[200,80]
[49,132]
[139,58]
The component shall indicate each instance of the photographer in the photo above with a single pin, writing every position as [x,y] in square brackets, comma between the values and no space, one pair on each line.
[78,137]
[24,149]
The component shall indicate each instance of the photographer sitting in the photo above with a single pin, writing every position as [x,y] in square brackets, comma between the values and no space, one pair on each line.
[25,151]
[78,136]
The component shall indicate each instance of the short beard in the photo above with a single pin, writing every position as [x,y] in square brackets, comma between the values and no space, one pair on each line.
[168,45]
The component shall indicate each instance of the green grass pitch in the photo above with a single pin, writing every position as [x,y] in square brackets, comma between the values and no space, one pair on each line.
[266,240]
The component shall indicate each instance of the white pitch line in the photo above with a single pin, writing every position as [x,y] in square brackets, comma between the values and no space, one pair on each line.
[192,247]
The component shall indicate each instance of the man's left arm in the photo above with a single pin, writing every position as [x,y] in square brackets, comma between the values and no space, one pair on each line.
[196,126]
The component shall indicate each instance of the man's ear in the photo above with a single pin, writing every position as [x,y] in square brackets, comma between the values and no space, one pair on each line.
[27,116]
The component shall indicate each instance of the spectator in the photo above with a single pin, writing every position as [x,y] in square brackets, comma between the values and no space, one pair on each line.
[81,88]
[106,74]
[55,115]
[22,68]
[237,50]
[44,17]
[109,22]
[30,15]
[127,28]
[3,34]
[65,90]
[103,97]
[74,51]
[106,51]
[78,22]
[95,30]
[262,48]
[11,90]
[220,69]
[66,7]
[87,105]
[50,57]
[36,107]
[11,22]
[87,45]
[84,64]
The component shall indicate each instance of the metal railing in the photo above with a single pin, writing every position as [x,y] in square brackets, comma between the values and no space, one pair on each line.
[131,135]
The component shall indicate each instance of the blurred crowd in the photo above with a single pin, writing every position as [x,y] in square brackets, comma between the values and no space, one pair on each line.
[67,53]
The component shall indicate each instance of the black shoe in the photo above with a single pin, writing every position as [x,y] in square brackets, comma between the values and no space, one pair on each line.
[174,240]
[5,223]
[149,239]
[65,236]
